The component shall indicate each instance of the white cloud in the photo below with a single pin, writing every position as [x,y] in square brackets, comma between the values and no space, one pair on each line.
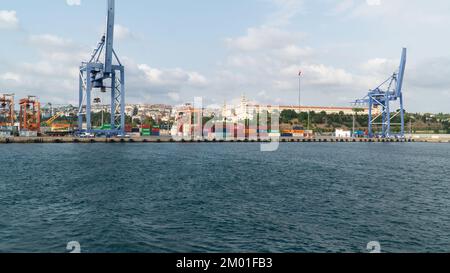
[8,19]
[171,77]
[122,32]
[53,77]
[373,2]
[286,10]
[267,59]
[321,75]
[49,41]
[380,66]
[343,6]
[263,38]
[409,14]
[9,76]
[73,2]
[174,96]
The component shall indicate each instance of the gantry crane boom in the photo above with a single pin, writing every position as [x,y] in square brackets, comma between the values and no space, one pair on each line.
[109,42]
[401,73]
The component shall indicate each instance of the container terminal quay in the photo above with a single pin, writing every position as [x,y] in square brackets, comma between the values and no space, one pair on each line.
[102,114]
[164,123]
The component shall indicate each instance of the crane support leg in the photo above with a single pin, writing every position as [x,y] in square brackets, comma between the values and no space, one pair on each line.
[113,101]
[122,99]
[402,116]
[80,102]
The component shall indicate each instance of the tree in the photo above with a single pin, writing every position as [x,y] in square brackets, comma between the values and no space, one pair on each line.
[288,115]
[136,122]
[148,121]
[355,116]
[135,111]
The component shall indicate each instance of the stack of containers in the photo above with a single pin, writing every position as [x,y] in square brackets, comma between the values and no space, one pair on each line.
[263,131]
[229,131]
[309,133]
[5,133]
[135,132]
[274,133]
[106,127]
[208,133]
[239,131]
[298,131]
[156,130]
[251,132]
[145,130]
[28,133]
[186,130]
[219,131]
[286,133]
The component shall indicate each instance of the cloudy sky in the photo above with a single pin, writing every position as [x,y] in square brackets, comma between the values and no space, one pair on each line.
[175,50]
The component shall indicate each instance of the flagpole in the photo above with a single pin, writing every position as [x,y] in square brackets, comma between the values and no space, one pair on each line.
[300,92]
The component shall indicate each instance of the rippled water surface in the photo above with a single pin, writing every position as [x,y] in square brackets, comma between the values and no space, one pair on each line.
[315,197]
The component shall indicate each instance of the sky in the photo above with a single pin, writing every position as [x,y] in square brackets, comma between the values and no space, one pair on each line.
[175,50]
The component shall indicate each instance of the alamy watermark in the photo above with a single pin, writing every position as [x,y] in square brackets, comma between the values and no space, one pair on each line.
[374,247]
[74,247]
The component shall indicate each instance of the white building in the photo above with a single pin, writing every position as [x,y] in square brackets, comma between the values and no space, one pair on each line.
[343,134]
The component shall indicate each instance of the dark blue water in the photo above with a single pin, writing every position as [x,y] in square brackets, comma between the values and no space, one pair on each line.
[225,197]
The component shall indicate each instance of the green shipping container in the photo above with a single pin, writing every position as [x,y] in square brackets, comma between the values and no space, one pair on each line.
[146,132]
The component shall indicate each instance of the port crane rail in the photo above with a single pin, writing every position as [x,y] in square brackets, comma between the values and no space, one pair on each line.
[104,75]
[382,96]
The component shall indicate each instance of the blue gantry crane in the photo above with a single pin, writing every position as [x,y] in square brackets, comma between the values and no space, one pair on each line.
[103,74]
[390,91]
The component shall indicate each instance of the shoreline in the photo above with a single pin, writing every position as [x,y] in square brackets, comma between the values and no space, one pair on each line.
[168,139]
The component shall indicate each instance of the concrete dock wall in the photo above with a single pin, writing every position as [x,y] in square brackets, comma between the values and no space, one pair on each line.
[40,140]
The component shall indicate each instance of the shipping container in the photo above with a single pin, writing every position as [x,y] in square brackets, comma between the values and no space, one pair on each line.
[146,132]
[286,135]
[359,134]
[105,127]
[5,134]
[28,133]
